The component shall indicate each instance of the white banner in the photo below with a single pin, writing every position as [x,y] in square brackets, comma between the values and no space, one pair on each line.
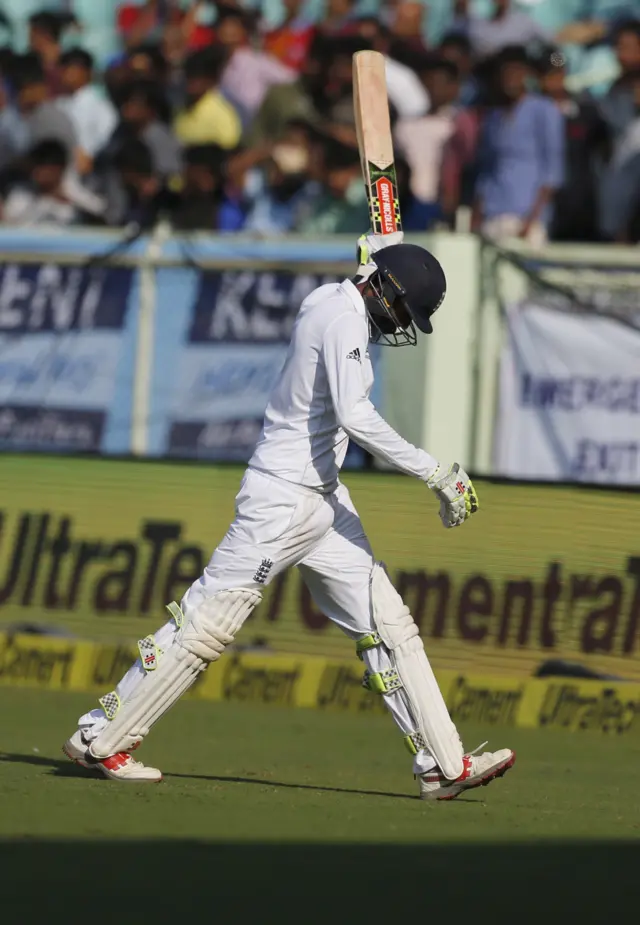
[569,398]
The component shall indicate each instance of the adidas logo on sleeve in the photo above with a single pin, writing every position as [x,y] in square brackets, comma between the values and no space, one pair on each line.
[355,355]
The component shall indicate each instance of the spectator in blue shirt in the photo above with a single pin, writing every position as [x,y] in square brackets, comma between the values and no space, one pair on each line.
[284,189]
[205,202]
[620,181]
[618,106]
[521,156]
[14,132]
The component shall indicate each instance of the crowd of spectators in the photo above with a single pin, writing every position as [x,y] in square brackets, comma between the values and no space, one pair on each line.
[226,125]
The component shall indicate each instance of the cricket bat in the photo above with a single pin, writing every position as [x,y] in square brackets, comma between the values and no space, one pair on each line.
[373,128]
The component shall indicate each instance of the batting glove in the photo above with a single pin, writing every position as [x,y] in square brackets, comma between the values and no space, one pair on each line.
[458,498]
[369,244]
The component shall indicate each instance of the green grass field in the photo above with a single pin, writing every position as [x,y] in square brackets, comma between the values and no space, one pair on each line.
[295,815]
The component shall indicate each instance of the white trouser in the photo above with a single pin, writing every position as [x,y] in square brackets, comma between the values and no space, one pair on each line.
[277,525]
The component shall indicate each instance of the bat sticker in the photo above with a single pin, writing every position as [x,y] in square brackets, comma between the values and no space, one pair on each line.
[385,206]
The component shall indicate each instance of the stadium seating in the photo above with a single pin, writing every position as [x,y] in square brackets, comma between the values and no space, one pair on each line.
[591,67]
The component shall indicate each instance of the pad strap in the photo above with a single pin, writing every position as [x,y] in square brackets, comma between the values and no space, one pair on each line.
[415,742]
[149,653]
[382,682]
[367,642]
[175,611]
[110,703]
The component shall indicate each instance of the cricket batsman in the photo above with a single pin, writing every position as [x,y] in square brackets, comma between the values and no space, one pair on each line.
[292,509]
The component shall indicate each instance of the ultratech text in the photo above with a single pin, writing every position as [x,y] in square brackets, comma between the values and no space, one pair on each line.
[610,710]
[49,567]
[46,566]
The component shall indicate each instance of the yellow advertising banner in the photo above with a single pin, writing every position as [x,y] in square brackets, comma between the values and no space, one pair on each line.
[277,680]
[52,664]
[490,701]
[584,705]
[96,547]
[333,685]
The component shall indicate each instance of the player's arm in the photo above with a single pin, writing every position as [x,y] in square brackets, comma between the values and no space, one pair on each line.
[344,341]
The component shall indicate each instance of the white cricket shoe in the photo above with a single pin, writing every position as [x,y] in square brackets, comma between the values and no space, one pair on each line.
[479,770]
[118,767]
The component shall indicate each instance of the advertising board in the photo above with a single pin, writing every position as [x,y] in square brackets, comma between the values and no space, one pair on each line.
[98,547]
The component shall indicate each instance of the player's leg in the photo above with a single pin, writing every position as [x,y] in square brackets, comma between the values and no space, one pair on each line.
[120,765]
[355,592]
[338,575]
[275,526]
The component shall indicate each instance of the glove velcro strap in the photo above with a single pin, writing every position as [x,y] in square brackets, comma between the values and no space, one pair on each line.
[382,682]
[175,611]
[367,642]
[149,653]
[110,703]
[415,742]
[471,499]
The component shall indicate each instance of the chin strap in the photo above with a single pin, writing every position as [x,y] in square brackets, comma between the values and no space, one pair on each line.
[364,273]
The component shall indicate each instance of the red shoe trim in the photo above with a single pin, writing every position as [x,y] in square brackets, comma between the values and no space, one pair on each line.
[437,777]
[117,762]
[466,769]
[483,781]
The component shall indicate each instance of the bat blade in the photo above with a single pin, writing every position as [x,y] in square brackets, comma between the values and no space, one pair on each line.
[373,128]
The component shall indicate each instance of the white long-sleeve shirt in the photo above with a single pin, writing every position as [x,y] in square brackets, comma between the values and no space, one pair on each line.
[94,118]
[322,398]
[405,90]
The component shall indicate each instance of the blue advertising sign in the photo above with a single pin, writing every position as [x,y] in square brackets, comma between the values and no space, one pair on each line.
[233,342]
[66,351]
[249,307]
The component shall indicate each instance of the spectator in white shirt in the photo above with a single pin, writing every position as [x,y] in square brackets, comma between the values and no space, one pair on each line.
[407,94]
[41,116]
[49,194]
[94,117]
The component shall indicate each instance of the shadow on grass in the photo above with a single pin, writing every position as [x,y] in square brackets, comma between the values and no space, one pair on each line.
[62,767]
[185,881]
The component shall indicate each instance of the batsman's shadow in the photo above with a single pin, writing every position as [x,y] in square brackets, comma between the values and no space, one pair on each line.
[291,785]
[60,767]
[63,768]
